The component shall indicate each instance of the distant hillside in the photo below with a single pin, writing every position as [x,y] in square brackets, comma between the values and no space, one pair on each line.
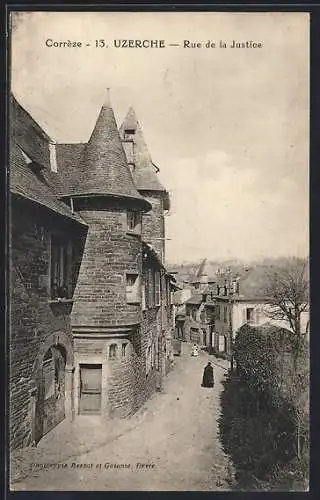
[187,271]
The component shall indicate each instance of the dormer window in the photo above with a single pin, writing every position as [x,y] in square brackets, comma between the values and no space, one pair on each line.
[26,157]
[33,165]
[129,134]
[133,221]
[53,157]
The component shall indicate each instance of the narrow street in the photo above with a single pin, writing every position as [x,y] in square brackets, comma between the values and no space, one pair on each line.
[174,438]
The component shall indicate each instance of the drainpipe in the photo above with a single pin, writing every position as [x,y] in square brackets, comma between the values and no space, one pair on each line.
[231,332]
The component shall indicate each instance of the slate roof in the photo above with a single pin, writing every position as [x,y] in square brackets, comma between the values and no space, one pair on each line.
[70,161]
[145,172]
[197,299]
[26,132]
[36,186]
[98,167]
[103,167]
[252,283]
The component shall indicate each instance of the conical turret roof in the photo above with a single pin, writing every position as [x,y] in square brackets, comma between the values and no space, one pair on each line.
[202,270]
[144,173]
[106,168]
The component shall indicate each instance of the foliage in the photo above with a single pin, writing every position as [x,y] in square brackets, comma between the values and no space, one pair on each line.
[264,423]
[287,290]
[261,443]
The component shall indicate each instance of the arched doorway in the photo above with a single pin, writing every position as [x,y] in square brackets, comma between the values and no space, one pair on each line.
[50,399]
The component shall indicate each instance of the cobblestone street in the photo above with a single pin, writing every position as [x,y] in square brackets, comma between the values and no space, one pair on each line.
[174,438]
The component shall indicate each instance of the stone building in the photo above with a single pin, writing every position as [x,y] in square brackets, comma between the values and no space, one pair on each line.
[90,311]
[240,300]
[199,315]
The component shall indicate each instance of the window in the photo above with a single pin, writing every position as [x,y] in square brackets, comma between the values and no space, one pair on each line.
[123,348]
[157,288]
[129,133]
[113,351]
[236,287]
[134,221]
[60,267]
[203,315]
[225,314]
[194,314]
[143,297]
[132,288]
[217,312]
[249,314]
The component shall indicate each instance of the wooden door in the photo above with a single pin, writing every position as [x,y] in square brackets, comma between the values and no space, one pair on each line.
[50,403]
[90,389]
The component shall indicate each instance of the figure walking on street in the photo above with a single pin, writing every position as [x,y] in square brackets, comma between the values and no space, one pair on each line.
[207,379]
[195,350]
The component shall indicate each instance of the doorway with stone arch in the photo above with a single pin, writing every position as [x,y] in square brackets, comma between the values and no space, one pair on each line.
[52,389]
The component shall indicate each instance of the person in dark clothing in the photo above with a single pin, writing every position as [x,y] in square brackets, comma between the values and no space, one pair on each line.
[207,380]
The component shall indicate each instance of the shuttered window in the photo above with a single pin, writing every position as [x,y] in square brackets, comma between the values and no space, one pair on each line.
[61,262]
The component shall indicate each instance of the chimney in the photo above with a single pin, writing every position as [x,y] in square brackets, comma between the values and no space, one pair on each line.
[107,98]
[53,156]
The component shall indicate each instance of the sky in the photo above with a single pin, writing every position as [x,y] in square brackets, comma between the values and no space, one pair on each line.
[228,127]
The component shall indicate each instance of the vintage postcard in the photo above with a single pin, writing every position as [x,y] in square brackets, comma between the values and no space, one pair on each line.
[158,246]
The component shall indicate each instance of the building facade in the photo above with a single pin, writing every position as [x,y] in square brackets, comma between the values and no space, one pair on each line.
[90,310]
[239,300]
[199,318]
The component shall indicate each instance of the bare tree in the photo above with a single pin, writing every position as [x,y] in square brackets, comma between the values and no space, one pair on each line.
[287,292]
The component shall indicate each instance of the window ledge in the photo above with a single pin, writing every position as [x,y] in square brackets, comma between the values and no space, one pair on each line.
[61,306]
[133,233]
[60,301]
[134,302]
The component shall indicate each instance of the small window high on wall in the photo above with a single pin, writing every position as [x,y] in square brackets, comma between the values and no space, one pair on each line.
[133,294]
[113,351]
[133,221]
[249,314]
[123,349]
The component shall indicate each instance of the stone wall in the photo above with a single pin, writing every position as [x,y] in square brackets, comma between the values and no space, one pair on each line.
[110,252]
[153,226]
[32,319]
